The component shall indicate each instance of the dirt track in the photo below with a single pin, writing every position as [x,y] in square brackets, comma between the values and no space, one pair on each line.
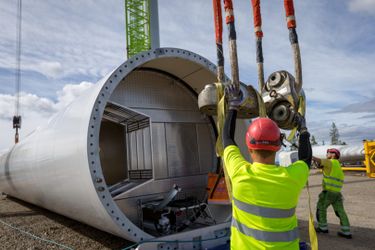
[359,193]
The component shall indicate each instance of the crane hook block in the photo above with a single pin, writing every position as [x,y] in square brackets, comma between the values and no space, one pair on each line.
[17,121]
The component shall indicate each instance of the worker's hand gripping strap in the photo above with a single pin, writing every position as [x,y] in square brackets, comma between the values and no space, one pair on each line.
[302,111]
[221,115]
[218,20]
[229,19]
[221,112]
[312,232]
[258,34]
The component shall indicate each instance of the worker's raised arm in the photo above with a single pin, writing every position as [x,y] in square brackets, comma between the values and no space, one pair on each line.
[304,148]
[325,164]
[318,161]
[234,97]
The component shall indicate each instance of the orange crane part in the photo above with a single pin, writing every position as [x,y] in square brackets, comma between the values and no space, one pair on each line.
[217,189]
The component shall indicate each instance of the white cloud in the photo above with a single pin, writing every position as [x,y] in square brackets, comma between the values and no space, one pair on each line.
[359,107]
[367,6]
[353,126]
[29,103]
[35,110]
[71,92]
[50,69]
[59,39]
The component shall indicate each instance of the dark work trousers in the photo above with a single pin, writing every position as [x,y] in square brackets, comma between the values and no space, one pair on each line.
[327,198]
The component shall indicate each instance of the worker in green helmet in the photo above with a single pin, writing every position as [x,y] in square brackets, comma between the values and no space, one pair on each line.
[333,179]
[265,195]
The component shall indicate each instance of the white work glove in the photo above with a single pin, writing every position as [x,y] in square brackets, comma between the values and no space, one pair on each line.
[234,96]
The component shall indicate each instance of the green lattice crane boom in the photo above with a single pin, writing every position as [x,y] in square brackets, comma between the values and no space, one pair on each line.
[138,26]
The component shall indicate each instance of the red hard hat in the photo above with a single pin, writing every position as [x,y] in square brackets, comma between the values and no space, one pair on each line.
[263,134]
[334,151]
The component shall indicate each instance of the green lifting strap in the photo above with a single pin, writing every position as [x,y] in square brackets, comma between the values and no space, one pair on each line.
[221,113]
[312,232]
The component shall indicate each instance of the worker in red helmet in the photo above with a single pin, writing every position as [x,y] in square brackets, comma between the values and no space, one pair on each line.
[333,179]
[265,195]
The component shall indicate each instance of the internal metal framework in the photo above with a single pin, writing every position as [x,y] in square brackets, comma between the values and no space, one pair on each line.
[126,117]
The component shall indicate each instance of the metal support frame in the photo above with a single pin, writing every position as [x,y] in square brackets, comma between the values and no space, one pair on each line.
[369,157]
[369,162]
[138,31]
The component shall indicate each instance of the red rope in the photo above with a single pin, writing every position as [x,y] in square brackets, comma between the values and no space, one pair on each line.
[289,10]
[228,6]
[218,19]
[257,18]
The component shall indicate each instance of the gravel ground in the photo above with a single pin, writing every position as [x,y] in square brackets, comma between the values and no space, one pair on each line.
[359,204]
[359,193]
[51,226]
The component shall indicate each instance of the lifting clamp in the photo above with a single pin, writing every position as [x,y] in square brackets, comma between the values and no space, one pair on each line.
[282,93]
[17,125]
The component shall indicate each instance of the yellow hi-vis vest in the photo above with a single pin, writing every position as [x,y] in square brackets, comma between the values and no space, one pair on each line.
[264,202]
[335,179]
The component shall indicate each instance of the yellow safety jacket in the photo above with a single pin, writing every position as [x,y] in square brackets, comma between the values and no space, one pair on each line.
[334,179]
[264,202]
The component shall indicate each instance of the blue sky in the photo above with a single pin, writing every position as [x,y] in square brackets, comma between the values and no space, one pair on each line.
[69,45]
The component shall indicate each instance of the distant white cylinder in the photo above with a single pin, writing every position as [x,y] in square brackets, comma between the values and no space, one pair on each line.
[349,153]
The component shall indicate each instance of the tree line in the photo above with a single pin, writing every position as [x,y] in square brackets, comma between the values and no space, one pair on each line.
[334,135]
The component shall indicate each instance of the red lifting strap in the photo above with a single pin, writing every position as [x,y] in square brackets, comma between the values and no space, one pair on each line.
[289,10]
[218,21]
[228,6]
[257,18]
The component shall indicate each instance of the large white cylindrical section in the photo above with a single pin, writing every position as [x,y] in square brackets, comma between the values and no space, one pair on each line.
[50,168]
[122,146]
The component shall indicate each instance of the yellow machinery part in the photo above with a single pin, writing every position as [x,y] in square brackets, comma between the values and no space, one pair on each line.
[369,147]
[354,168]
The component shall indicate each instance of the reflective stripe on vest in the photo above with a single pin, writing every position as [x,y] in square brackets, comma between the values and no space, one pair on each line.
[333,185]
[265,235]
[332,178]
[334,181]
[265,212]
